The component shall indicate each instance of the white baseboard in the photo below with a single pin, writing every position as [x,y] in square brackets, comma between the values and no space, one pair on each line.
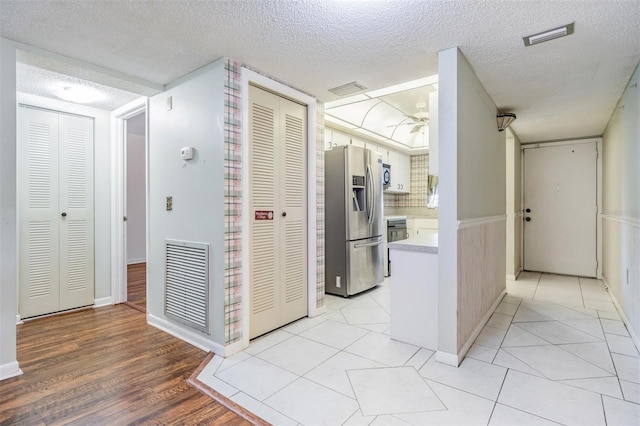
[103,301]
[633,333]
[19,320]
[233,349]
[188,336]
[456,360]
[136,261]
[514,277]
[11,369]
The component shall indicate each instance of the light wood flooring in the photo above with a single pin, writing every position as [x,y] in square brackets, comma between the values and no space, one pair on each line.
[105,366]
[137,286]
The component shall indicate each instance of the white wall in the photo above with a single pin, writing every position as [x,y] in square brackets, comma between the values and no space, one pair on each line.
[514,208]
[621,204]
[8,251]
[136,199]
[197,120]
[472,220]
[102,183]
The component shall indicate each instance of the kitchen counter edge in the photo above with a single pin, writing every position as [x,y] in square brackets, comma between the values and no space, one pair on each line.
[424,243]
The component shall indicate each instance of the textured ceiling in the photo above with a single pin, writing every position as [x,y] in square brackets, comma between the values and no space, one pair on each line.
[561,89]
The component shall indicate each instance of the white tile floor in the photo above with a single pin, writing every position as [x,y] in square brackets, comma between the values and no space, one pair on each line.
[554,352]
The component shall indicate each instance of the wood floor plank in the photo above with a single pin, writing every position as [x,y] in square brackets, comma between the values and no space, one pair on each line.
[137,286]
[105,366]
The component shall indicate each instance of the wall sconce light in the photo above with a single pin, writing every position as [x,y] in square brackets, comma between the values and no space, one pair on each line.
[504,120]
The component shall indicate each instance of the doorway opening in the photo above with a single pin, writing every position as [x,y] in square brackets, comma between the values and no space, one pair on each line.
[135,222]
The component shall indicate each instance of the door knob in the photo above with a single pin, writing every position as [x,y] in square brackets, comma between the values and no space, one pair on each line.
[528,210]
[64,214]
[528,219]
[284,214]
[125,218]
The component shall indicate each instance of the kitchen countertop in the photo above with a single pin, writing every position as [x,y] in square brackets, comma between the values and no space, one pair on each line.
[425,243]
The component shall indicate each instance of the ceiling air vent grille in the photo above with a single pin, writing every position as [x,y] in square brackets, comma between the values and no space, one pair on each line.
[186,283]
[551,34]
[348,89]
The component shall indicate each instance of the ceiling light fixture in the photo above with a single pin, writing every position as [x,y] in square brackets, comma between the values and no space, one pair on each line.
[551,34]
[79,94]
[348,89]
[504,120]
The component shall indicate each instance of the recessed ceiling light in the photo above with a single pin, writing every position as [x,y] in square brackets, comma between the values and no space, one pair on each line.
[551,34]
[348,89]
[79,94]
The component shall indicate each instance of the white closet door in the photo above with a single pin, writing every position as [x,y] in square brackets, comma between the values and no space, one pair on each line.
[293,231]
[55,211]
[278,276]
[38,230]
[76,212]
[263,135]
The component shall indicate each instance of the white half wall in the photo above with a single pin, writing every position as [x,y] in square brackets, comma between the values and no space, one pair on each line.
[621,205]
[472,214]
[8,245]
[196,119]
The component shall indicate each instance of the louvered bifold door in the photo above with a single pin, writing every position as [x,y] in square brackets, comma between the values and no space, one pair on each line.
[293,230]
[263,135]
[38,216]
[76,212]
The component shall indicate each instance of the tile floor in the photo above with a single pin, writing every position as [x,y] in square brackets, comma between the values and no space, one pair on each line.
[554,352]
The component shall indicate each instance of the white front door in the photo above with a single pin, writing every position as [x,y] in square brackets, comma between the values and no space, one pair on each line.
[560,209]
[55,211]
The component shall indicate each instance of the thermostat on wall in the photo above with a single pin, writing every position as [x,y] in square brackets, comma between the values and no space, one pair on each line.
[186,153]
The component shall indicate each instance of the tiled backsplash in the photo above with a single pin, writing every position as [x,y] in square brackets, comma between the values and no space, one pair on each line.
[414,203]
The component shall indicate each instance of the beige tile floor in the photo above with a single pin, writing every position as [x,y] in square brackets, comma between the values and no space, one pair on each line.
[554,352]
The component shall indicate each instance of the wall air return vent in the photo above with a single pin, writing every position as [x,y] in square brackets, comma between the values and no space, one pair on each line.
[186,286]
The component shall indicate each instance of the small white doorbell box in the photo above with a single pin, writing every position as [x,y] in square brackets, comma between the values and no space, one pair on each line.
[186,153]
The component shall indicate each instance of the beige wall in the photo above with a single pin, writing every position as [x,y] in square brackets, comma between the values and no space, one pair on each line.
[621,205]
[472,219]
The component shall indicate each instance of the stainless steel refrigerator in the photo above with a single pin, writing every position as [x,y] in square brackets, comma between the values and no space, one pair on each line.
[353,220]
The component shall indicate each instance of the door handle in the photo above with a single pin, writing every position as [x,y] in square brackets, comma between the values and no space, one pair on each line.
[64,214]
[528,219]
[528,210]
[377,243]
[284,214]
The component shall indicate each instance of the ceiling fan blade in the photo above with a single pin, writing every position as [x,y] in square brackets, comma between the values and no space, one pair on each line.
[417,128]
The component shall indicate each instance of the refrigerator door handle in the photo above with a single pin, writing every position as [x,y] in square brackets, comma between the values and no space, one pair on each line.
[373,244]
[372,199]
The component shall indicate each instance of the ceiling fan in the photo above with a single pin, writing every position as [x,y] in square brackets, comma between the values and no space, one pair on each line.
[419,118]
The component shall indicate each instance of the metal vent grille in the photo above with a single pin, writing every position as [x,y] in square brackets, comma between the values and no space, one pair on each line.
[187,283]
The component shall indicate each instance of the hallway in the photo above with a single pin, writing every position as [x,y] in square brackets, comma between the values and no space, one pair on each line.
[554,352]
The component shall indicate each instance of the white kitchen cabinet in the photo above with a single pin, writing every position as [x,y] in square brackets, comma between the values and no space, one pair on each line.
[400,172]
[334,138]
[425,226]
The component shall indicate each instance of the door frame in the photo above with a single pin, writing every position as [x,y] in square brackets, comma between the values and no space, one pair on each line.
[118,194]
[247,77]
[598,142]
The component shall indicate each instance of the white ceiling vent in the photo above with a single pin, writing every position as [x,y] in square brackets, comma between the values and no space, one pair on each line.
[348,89]
[551,34]
[187,283]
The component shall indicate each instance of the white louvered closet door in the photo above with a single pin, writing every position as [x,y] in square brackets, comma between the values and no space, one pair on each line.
[277,186]
[55,212]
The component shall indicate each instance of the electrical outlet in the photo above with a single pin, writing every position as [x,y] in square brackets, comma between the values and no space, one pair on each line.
[169,203]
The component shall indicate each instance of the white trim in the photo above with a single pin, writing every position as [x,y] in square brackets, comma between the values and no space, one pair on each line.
[19,320]
[194,339]
[9,370]
[249,76]
[118,246]
[625,220]
[633,333]
[455,360]
[477,221]
[103,301]
[524,146]
[515,277]
[233,348]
